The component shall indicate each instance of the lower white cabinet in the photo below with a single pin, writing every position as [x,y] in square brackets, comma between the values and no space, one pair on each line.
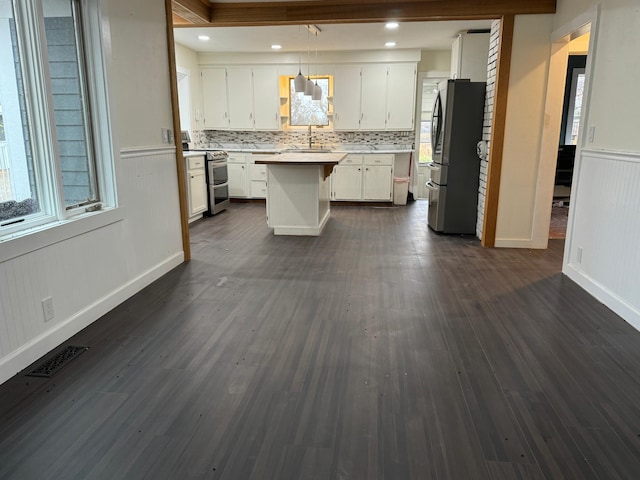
[346,182]
[238,175]
[196,186]
[363,178]
[258,183]
[377,177]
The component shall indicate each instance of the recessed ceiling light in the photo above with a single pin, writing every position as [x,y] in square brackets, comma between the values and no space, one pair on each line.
[204,38]
[276,47]
[390,44]
[392,25]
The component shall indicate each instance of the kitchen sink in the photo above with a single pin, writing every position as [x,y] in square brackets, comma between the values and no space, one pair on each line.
[308,150]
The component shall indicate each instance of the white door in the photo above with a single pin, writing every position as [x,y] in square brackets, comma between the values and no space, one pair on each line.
[373,98]
[240,88]
[266,98]
[377,182]
[237,179]
[214,98]
[197,192]
[346,98]
[346,182]
[401,97]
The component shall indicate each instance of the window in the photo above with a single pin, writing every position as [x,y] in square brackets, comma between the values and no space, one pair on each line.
[429,93]
[47,158]
[305,111]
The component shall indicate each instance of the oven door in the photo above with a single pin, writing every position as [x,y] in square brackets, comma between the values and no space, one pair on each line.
[218,198]
[218,174]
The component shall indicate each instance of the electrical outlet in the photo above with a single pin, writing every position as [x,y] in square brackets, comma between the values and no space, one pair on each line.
[170,135]
[165,135]
[47,309]
[579,255]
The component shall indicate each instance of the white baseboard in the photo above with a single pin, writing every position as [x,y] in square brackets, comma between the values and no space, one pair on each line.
[47,341]
[628,312]
[514,243]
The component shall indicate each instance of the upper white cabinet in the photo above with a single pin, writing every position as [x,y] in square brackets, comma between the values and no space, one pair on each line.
[214,98]
[401,97]
[266,98]
[375,97]
[240,98]
[373,101]
[346,97]
[470,56]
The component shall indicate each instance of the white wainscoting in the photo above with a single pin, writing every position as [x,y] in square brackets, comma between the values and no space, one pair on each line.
[602,252]
[92,272]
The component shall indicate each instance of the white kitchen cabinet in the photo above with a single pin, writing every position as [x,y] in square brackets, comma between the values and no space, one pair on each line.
[373,102]
[346,182]
[346,97]
[401,97]
[470,56]
[258,179]
[196,186]
[375,97]
[214,98]
[363,177]
[240,98]
[238,175]
[266,98]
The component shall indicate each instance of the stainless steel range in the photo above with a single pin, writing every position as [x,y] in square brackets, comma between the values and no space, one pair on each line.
[217,181]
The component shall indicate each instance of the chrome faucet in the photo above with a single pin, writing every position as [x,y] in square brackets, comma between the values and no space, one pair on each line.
[310,137]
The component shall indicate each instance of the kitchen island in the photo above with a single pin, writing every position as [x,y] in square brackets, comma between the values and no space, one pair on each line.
[298,194]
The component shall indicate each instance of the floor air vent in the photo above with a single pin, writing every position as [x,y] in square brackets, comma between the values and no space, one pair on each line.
[51,366]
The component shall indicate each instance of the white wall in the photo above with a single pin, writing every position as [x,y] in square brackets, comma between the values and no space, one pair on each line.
[140,60]
[524,121]
[435,61]
[601,250]
[187,59]
[95,269]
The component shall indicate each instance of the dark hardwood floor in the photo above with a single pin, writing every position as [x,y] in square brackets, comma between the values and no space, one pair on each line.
[378,350]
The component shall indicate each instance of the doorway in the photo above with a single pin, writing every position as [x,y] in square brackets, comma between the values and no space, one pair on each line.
[575,38]
[569,130]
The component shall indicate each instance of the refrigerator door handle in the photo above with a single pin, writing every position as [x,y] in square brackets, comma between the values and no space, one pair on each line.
[433,166]
[432,186]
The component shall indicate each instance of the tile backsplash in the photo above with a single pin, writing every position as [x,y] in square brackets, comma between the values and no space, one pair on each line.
[203,138]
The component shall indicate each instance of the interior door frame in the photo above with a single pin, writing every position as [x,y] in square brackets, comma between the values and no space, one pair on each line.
[560,38]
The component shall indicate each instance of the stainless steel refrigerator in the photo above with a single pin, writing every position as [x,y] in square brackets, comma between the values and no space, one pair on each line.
[456,129]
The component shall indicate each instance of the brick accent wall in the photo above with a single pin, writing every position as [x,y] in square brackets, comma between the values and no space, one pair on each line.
[488,118]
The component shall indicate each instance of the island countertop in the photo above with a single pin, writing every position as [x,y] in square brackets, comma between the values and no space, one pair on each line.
[302,158]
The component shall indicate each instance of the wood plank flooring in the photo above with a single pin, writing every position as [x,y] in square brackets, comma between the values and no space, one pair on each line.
[379,350]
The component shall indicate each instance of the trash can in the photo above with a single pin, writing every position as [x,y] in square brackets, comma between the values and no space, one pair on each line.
[400,190]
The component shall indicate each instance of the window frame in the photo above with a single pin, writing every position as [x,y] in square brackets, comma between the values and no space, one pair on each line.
[92,42]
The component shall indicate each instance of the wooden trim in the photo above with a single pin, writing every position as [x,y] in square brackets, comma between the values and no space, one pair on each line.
[497,131]
[182,186]
[192,11]
[361,11]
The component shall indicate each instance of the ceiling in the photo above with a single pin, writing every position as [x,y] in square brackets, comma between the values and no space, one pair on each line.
[294,38]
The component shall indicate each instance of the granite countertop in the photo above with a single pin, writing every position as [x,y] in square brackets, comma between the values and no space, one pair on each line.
[190,153]
[302,158]
[338,148]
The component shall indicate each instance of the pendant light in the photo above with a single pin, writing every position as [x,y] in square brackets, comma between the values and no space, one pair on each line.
[308,87]
[300,82]
[317,89]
